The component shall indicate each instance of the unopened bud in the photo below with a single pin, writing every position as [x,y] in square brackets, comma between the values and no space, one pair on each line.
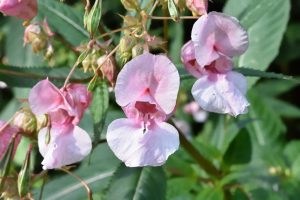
[49,52]
[130,20]
[35,36]
[41,122]
[24,175]
[25,120]
[137,50]
[93,18]
[131,5]
[126,43]
[108,68]
[6,162]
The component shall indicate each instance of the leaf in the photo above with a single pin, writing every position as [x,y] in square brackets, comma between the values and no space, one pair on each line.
[266,126]
[266,23]
[137,184]
[16,53]
[99,108]
[262,74]
[64,20]
[275,87]
[283,108]
[27,77]
[214,193]
[96,175]
[291,151]
[180,188]
[240,149]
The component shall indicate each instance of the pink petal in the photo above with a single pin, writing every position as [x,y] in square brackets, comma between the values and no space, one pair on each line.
[78,98]
[189,60]
[6,136]
[218,33]
[64,148]
[222,93]
[137,148]
[25,9]
[151,74]
[45,97]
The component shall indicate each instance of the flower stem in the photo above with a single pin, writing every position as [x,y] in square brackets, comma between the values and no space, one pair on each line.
[170,18]
[89,191]
[201,160]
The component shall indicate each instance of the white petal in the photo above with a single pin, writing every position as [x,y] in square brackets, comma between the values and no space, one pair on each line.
[64,148]
[222,93]
[137,148]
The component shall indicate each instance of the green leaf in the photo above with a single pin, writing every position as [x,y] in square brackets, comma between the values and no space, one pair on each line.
[64,20]
[291,151]
[240,149]
[27,77]
[180,188]
[137,184]
[262,74]
[97,175]
[283,108]
[275,87]
[16,53]
[266,23]
[214,193]
[99,108]
[266,126]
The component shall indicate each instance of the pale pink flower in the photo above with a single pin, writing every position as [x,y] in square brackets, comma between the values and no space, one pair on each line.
[6,136]
[146,89]
[65,107]
[218,36]
[24,9]
[198,7]
[208,56]
[196,111]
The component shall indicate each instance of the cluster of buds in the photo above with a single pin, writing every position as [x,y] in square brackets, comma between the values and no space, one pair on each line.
[39,35]
[97,59]
[28,123]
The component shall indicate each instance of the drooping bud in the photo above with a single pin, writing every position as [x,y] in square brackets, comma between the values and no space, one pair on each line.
[131,5]
[24,175]
[35,36]
[49,52]
[25,120]
[108,68]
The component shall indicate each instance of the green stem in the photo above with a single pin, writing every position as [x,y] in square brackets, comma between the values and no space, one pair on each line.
[201,160]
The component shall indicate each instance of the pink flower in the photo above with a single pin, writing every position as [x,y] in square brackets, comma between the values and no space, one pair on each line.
[218,36]
[6,136]
[199,7]
[65,107]
[146,89]
[208,56]
[194,109]
[25,9]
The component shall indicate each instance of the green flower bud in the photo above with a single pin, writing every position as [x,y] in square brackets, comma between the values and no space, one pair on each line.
[24,175]
[131,5]
[137,50]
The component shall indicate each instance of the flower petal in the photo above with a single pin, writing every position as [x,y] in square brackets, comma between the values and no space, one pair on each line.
[45,97]
[222,93]
[64,148]
[137,148]
[6,136]
[25,9]
[148,73]
[218,33]
[189,60]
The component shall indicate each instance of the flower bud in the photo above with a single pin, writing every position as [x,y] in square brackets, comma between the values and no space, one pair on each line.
[137,50]
[198,7]
[49,52]
[41,122]
[35,36]
[108,68]
[25,120]
[92,19]
[24,175]
[131,5]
